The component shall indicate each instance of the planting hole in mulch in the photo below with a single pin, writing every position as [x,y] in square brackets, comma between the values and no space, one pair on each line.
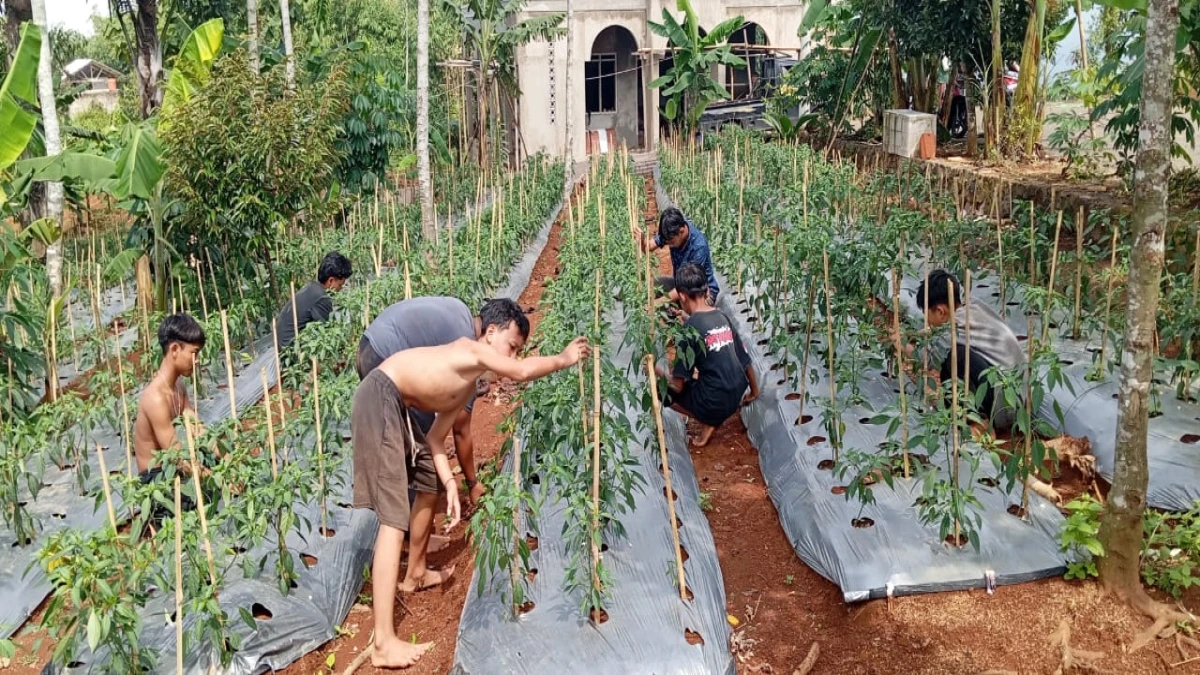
[22,542]
[598,616]
[1189,439]
[778,366]
[1022,338]
[1067,362]
[687,592]
[344,505]
[988,482]
[865,420]
[604,548]
[327,532]
[75,664]
[1115,396]
[683,552]
[532,574]
[795,328]
[692,637]
[752,319]
[1013,303]
[764,342]
[838,489]
[793,396]
[309,560]
[862,523]
[60,516]
[1155,413]
[804,419]
[525,607]
[781,382]
[674,497]
[535,479]
[1016,510]
[816,440]
[260,612]
[825,465]
[959,543]
[745,310]
[238,550]
[531,541]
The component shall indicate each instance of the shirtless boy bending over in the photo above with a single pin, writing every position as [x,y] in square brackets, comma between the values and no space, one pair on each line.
[439,380]
[165,397]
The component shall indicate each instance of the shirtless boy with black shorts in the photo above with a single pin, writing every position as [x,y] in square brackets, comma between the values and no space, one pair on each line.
[439,380]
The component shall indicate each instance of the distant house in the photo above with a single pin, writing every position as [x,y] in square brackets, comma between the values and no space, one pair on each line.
[101,81]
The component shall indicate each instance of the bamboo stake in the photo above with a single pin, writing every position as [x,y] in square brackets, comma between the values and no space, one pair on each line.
[295,317]
[108,502]
[203,298]
[1050,288]
[278,374]
[1196,272]
[270,425]
[1032,245]
[320,453]
[75,340]
[967,325]
[662,452]
[954,397]
[195,466]
[834,441]
[1112,269]
[596,466]
[516,515]
[1000,266]
[808,332]
[900,370]
[1029,416]
[125,434]
[178,579]
[52,362]
[228,366]
[1079,226]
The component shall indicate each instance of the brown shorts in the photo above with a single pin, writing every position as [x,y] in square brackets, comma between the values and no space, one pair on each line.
[390,453]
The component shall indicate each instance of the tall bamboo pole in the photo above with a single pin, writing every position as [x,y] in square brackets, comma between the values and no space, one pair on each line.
[835,439]
[515,570]
[954,401]
[229,366]
[900,369]
[178,579]
[663,456]
[320,452]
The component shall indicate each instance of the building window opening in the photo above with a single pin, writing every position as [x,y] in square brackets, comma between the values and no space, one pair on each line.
[601,76]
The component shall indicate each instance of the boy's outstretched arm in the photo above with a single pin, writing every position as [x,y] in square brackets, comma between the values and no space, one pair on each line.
[753,393]
[533,367]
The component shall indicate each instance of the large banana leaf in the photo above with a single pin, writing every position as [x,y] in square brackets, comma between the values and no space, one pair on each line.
[194,63]
[69,167]
[19,88]
[140,165]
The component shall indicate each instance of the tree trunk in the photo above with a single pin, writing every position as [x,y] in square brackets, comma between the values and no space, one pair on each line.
[1083,52]
[1024,104]
[149,55]
[999,106]
[1121,525]
[252,38]
[427,224]
[972,132]
[16,12]
[569,149]
[54,189]
[899,101]
[285,13]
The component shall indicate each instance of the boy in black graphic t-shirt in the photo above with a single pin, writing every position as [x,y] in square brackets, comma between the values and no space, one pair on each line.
[713,386]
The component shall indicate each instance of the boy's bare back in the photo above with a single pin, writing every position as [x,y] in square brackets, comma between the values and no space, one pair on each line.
[154,428]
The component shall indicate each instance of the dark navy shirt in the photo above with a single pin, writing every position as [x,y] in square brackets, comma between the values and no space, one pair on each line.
[694,250]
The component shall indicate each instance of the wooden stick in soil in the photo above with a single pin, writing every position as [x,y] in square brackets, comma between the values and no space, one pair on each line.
[126,429]
[228,366]
[900,369]
[178,579]
[278,374]
[108,502]
[320,453]
[270,425]
[834,441]
[1000,265]
[953,399]
[203,297]
[663,455]
[515,572]
[200,508]
[808,333]
[966,285]
[1079,226]
[1029,415]
[595,468]
[1050,288]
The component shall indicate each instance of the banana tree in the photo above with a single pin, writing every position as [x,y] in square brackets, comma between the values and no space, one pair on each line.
[18,92]
[689,85]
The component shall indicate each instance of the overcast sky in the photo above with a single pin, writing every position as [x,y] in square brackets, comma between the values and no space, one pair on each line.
[75,14]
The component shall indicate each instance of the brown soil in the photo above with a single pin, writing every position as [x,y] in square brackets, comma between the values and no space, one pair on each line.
[433,616]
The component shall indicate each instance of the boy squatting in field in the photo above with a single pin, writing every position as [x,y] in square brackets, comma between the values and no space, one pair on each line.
[688,245]
[430,322]
[165,397]
[312,303]
[993,343]
[439,380]
[719,360]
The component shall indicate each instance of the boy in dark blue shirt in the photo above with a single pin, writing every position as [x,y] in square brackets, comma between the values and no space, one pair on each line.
[688,245]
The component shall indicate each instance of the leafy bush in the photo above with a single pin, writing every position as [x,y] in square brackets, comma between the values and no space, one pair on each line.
[246,155]
[1079,537]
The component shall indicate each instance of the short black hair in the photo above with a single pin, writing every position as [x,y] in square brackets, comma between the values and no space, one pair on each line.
[691,280]
[939,293]
[334,266]
[670,223]
[181,328]
[500,312]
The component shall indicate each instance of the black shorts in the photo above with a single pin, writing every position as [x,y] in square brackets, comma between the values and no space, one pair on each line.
[367,359]
[160,512]
[703,412]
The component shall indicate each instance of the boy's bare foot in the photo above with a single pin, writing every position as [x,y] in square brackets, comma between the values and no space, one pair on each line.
[429,580]
[398,654]
[704,433]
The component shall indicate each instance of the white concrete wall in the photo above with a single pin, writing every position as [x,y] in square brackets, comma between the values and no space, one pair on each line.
[780,19]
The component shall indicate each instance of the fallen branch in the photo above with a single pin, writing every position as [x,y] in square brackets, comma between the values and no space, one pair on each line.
[361,658]
[814,652]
